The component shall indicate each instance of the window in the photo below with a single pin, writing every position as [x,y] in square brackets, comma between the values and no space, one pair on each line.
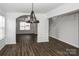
[24,26]
[2,27]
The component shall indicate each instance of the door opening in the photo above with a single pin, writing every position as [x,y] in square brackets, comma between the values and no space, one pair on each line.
[25,31]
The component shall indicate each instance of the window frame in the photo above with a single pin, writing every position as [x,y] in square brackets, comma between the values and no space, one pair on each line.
[24,26]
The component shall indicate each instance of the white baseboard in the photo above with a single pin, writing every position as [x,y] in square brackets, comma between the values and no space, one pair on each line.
[66,42]
[42,41]
[12,43]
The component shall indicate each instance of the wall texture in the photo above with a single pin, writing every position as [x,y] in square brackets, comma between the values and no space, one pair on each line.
[65,28]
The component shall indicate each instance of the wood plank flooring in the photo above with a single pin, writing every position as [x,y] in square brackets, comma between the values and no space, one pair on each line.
[26,46]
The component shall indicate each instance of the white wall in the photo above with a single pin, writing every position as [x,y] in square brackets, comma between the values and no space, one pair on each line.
[11,27]
[42,28]
[2,42]
[65,28]
[72,24]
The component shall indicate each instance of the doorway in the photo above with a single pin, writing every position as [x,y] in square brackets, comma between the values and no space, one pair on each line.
[25,32]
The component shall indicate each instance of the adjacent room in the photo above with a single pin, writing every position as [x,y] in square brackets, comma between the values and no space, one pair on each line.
[39,29]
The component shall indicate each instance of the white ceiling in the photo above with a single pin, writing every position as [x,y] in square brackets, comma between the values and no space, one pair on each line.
[26,7]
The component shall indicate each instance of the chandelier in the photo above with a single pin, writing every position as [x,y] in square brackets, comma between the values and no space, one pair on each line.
[32,17]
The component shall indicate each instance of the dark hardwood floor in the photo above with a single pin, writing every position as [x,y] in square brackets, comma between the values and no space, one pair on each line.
[26,46]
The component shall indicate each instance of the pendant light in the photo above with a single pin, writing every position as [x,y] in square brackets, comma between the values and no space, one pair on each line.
[32,17]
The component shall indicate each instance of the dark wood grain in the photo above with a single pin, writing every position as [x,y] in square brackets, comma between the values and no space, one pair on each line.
[26,46]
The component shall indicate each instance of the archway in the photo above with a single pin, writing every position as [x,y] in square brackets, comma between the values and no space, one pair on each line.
[25,31]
